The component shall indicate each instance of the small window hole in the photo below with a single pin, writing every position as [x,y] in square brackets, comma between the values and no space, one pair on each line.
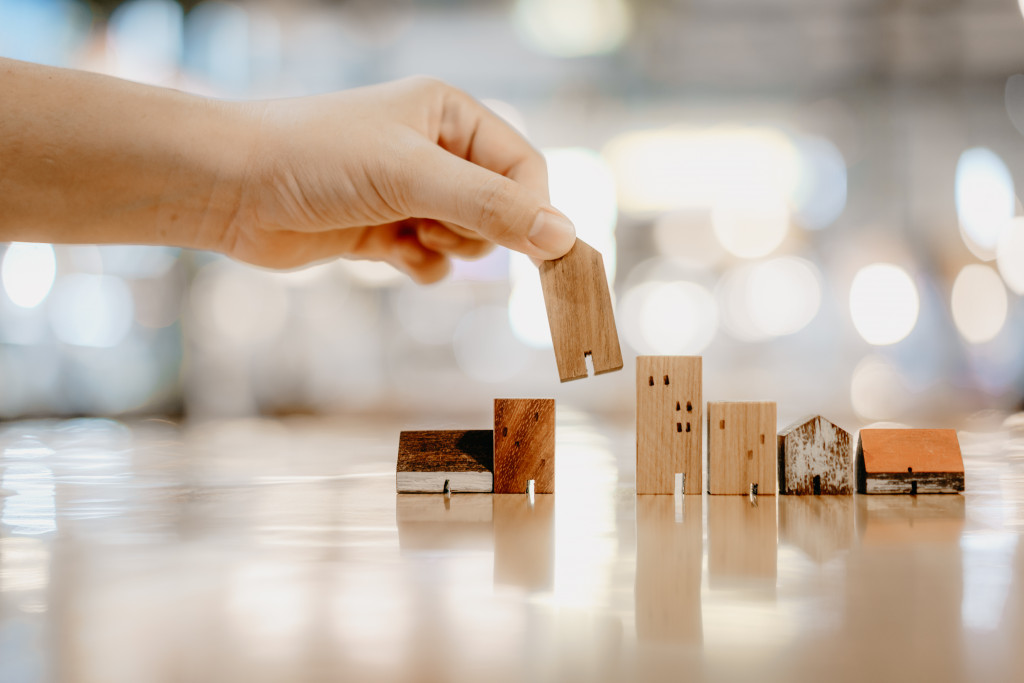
[677,406]
[750,455]
[536,417]
[762,438]
[721,424]
[679,426]
[913,488]
[689,407]
[650,380]
[687,426]
[517,444]
[666,380]
[910,470]
[504,431]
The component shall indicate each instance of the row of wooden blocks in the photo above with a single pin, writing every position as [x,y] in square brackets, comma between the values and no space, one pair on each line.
[746,455]
[517,456]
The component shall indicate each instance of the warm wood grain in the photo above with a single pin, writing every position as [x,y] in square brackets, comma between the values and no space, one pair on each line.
[741,447]
[669,563]
[524,444]
[814,458]
[668,423]
[909,461]
[580,315]
[463,458]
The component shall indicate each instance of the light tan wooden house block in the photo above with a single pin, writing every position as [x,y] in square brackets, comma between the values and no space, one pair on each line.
[668,423]
[741,448]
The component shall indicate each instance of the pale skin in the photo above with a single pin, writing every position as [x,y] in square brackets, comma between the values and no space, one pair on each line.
[413,173]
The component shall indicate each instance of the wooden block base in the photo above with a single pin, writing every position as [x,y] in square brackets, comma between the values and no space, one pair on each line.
[461,459]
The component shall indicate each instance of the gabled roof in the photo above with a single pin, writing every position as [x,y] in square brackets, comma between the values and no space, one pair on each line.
[923,450]
[804,421]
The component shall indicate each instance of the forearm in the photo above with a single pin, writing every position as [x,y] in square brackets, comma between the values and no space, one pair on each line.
[86,158]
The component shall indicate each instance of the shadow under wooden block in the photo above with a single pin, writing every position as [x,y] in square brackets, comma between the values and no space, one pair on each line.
[909,520]
[524,541]
[742,543]
[742,449]
[524,444]
[461,460]
[669,562]
[814,458]
[909,461]
[439,523]
[580,315]
[668,423]
[821,526]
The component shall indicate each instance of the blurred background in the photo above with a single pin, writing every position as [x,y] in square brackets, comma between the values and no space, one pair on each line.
[817,196]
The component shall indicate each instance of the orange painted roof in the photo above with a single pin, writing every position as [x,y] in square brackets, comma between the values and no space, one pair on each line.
[925,450]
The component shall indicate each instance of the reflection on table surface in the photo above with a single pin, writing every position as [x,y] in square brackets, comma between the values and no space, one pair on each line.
[264,550]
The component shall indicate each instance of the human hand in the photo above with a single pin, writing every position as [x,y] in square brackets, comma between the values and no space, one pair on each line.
[411,172]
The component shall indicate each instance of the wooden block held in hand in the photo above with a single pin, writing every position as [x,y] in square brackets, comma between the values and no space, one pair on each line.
[741,448]
[814,458]
[464,458]
[909,461]
[668,423]
[524,444]
[580,314]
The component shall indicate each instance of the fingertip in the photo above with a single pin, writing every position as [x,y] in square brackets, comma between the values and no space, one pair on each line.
[552,235]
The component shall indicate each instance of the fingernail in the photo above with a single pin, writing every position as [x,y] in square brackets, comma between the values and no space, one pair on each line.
[552,234]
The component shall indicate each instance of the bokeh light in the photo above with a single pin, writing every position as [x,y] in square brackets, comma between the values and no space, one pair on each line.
[91,310]
[27,272]
[979,303]
[984,199]
[237,304]
[682,168]
[669,318]
[145,38]
[878,391]
[1010,255]
[768,299]
[573,28]
[753,226]
[784,295]
[820,196]
[884,303]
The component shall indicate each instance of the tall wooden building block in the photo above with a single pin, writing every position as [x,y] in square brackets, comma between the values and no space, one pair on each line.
[668,423]
[580,315]
[741,448]
[909,461]
[524,444]
[456,460]
[814,458]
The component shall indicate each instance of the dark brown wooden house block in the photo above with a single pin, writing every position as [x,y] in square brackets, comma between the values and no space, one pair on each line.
[453,460]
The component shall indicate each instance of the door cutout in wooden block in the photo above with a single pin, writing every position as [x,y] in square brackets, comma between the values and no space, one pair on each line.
[668,440]
[909,461]
[741,450]
[814,458]
[524,445]
[441,461]
[579,308]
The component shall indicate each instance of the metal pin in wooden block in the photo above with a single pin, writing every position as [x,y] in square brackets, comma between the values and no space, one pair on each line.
[579,307]
[814,458]
[741,448]
[909,461]
[524,445]
[445,461]
[668,423]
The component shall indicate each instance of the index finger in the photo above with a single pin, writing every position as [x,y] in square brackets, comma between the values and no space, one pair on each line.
[472,131]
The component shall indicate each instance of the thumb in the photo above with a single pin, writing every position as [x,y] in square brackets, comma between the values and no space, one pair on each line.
[448,188]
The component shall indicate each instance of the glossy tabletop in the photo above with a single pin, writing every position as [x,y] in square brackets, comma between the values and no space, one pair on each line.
[263,550]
